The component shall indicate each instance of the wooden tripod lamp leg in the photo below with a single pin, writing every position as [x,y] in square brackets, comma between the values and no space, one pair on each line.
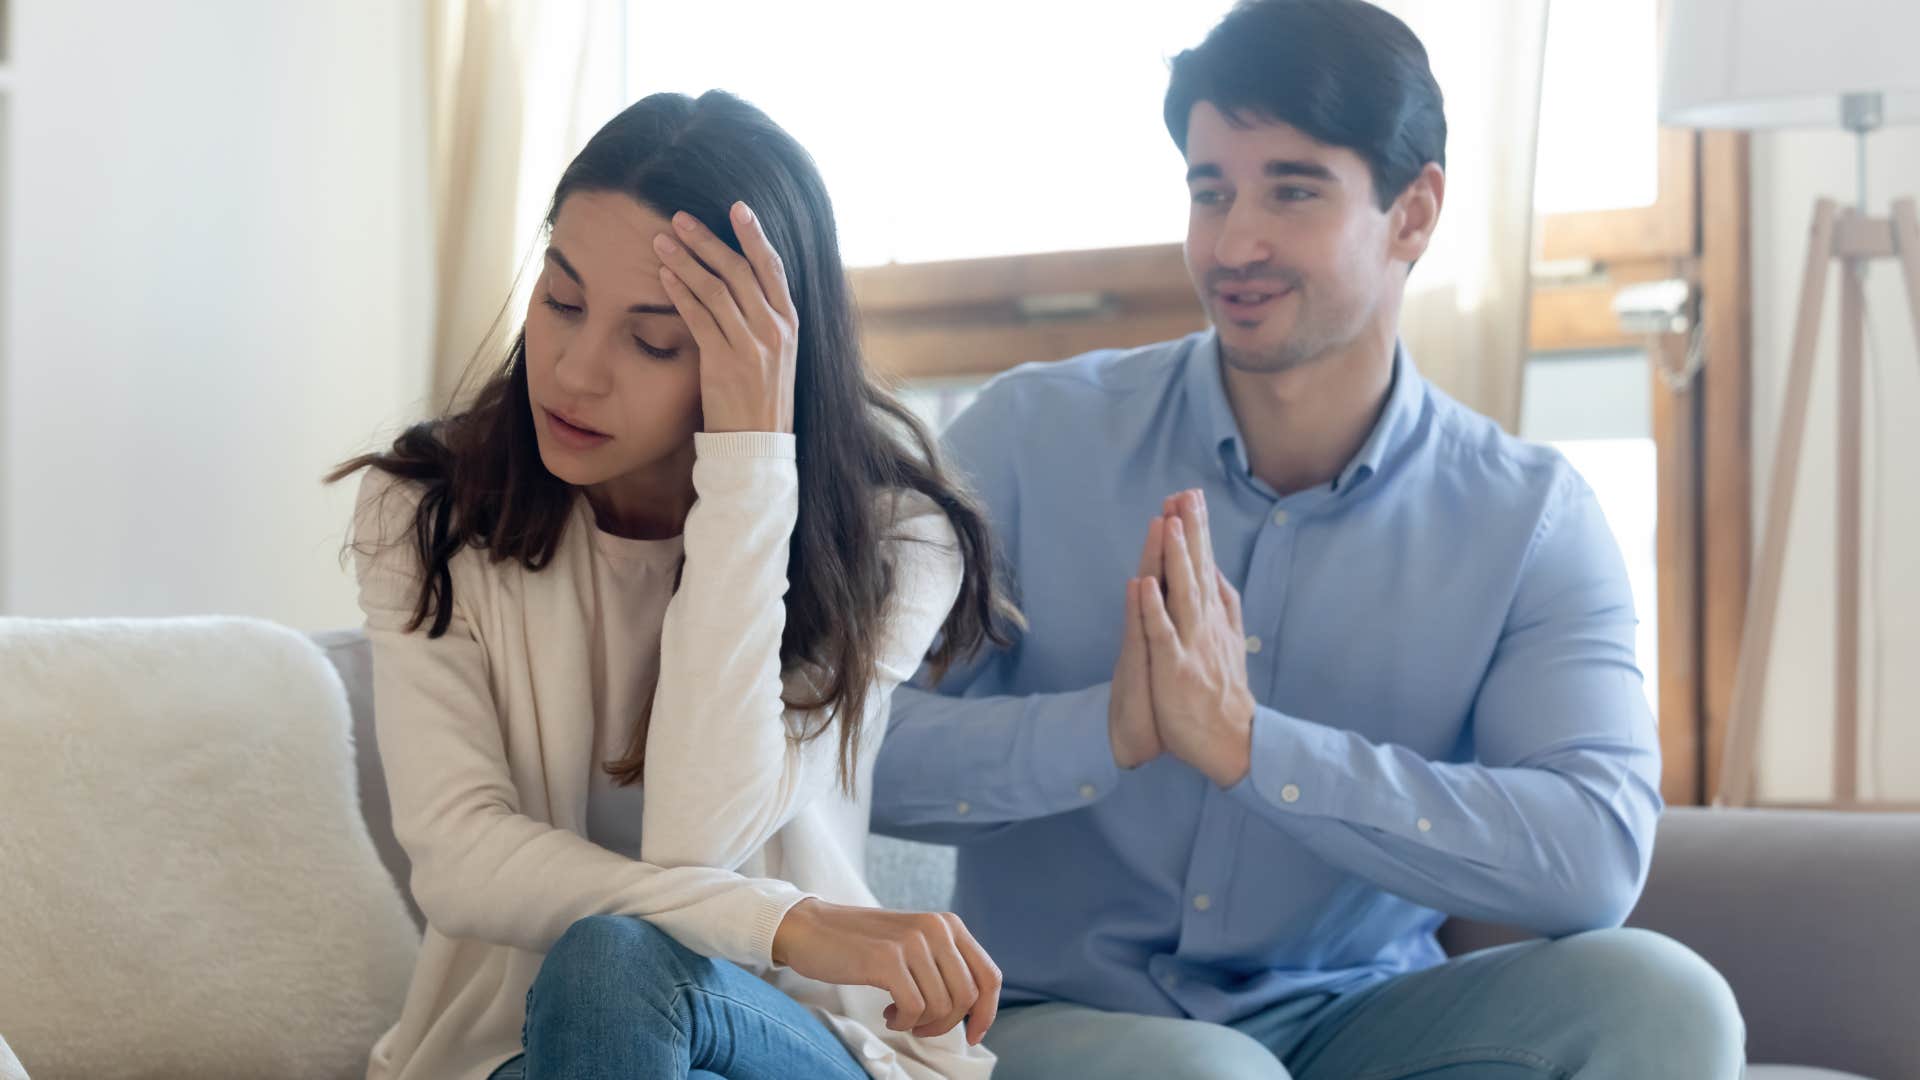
[1846,576]
[1756,643]
[1906,236]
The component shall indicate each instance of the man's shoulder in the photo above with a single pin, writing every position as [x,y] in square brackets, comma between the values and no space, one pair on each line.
[1482,456]
[1093,380]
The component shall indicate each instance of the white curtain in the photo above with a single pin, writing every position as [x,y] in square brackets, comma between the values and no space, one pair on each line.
[1465,318]
[515,88]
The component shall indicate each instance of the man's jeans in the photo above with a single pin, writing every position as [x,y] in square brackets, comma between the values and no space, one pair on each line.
[1606,1005]
[617,998]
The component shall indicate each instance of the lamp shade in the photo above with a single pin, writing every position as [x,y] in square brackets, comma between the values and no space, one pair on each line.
[1786,63]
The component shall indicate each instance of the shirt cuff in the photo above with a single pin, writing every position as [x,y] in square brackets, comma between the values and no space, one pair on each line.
[1073,756]
[1295,767]
[744,444]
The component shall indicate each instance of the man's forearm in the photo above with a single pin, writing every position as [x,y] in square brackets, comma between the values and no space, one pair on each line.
[1558,846]
[956,765]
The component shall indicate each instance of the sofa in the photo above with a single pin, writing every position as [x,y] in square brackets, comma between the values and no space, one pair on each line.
[1814,918]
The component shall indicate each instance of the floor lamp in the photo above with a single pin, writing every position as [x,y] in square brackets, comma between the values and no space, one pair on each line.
[1753,64]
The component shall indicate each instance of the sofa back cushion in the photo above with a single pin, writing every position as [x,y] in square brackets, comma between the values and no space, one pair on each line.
[187,887]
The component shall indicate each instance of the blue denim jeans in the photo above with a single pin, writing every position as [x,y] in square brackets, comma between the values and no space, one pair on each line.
[616,998]
[1607,1005]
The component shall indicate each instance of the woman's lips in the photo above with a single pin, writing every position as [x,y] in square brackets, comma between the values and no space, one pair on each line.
[572,434]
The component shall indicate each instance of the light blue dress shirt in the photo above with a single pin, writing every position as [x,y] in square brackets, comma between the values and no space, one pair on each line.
[1451,719]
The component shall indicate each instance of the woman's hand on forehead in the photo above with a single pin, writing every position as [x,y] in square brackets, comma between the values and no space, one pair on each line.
[742,317]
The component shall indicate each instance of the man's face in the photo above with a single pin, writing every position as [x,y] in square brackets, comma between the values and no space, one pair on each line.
[1286,243]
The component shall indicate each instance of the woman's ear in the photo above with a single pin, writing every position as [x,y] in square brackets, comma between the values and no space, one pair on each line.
[1416,213]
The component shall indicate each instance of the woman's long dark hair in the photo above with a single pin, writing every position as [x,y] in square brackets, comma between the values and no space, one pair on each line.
[483,485]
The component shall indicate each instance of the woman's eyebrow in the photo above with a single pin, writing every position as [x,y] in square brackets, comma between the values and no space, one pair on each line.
[559,260]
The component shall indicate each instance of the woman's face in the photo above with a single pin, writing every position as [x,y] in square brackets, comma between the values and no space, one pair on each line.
[613,373]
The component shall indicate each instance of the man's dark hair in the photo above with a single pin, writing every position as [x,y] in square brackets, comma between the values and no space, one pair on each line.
[1343,71]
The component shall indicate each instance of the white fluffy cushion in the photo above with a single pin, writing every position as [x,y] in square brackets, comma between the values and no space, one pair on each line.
[186,885]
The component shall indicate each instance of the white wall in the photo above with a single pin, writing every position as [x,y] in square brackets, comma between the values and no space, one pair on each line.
[216,283]
[1790,170]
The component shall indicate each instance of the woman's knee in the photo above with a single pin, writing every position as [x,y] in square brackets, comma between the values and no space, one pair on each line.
[611,957]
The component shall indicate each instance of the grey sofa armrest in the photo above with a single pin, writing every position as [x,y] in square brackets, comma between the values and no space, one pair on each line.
[1812,916]
[1814,919]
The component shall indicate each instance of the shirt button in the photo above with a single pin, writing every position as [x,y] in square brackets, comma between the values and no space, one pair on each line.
[1424,825]
[962,807]
[1170,980]
[875,1049]
[1279,517]
[1253,643]
[1087,791]
[1290,793]
[1202,902]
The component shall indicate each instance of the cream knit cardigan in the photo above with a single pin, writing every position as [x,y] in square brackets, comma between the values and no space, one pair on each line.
[487,738]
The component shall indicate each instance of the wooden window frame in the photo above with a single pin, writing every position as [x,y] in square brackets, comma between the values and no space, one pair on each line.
[977,317]
[1698,231]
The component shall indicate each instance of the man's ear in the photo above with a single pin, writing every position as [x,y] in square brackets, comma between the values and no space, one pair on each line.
[1416,213]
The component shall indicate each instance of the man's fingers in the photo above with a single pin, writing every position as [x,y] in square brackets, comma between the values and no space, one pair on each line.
[1230,599]
[1156,625]
[1201,540]
[1183,591]
[1150,552]
[1133,636]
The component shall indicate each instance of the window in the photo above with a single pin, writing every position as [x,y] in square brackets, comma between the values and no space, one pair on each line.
[1599,141]
[929,127]
[1594,408]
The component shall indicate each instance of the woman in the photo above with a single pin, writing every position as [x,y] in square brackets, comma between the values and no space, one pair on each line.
[636,615]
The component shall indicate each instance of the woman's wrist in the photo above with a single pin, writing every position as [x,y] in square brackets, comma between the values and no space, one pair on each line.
[792,924]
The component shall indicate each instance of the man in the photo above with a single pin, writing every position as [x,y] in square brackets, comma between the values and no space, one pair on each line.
[1316,657]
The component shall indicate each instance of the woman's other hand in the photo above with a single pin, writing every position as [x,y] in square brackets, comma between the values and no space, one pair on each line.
[937,973]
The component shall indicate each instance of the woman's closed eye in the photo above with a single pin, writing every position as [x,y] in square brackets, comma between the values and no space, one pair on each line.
[655,351]
[570,311]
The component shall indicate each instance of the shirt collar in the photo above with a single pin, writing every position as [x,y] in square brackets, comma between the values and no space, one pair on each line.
[1211,414]
[1396,424]
[1208,410]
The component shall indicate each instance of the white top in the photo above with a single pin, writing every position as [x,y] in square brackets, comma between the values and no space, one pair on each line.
[493,733]
[634,589]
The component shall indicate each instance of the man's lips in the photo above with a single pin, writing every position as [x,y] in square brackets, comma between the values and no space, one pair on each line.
[1250,295]
[1252,301]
